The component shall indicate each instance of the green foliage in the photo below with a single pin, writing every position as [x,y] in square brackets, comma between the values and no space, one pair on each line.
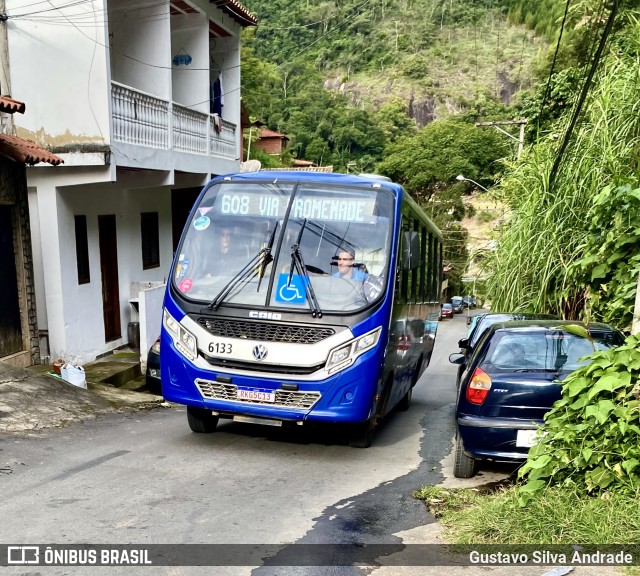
[589,440]
[268,160]
[543,112]
[610,263]
[455,253]
[427,164]
[430,160]
[557,515]
[486,216]
[551,227]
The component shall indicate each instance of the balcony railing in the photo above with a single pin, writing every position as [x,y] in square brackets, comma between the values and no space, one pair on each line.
[145,120]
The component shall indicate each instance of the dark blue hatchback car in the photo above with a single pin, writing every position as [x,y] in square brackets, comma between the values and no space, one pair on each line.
[512,379]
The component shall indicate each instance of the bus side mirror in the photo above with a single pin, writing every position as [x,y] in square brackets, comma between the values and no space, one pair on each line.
[456,359]
[463,343]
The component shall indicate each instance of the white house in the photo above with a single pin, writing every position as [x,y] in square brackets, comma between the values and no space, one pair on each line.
[141,99]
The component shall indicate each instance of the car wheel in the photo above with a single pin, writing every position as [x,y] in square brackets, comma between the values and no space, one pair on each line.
[362,434]
[463,466]
[405,401]
[201,420]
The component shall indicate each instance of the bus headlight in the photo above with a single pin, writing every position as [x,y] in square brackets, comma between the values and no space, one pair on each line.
[346,354]
[183,340]
[339,356]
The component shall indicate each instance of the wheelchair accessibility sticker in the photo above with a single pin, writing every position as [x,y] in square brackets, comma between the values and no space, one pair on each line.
[292,293]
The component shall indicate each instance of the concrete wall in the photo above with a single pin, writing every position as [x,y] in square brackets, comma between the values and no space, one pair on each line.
[151,300]
[140,39]
[61,72]
[74,311]
[190,35]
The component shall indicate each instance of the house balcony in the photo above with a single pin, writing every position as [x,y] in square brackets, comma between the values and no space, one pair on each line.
[193,139]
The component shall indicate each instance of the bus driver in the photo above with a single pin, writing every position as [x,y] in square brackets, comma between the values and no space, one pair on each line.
[346,259]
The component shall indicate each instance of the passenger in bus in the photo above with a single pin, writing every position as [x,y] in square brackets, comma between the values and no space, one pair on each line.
[347,268]
[217,256]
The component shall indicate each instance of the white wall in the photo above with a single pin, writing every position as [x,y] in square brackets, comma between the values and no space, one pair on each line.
[151,301]
[36,250]
[58,66]
[82,304]
[226,56]
[140,40]
[190,35]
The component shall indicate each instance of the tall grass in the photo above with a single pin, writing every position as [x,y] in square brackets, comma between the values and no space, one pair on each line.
[557,516]
[531,269]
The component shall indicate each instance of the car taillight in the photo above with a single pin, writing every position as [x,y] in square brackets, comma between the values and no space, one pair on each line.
[478,387]
[404,343]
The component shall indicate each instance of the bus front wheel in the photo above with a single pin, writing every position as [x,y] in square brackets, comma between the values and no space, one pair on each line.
[362,433]
[405,401]
[201,420]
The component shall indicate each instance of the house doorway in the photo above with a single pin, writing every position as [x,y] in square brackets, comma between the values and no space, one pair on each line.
[10,319]
[107,240]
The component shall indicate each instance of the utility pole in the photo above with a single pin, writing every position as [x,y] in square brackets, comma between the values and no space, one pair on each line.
[6,124]
[5,84]
[497,123]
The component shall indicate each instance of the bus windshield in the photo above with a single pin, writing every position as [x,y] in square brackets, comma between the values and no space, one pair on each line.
[287,245]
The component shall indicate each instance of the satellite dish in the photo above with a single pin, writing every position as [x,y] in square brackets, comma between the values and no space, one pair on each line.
[250,166]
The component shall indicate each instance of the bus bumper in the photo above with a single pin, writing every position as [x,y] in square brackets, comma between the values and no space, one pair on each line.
[347,396]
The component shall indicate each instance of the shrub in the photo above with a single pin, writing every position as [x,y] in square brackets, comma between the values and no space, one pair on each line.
[589,440]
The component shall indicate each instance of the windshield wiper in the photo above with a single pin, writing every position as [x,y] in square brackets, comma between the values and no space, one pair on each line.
[267,257]
[247,273]
[297,263]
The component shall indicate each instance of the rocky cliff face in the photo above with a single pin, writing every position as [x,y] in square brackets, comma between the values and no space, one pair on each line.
[423,106]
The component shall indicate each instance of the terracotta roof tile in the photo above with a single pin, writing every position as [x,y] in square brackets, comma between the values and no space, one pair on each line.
[10,105]
[26,151]
[266,133]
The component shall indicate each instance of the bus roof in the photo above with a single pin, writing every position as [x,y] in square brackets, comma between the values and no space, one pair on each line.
[302,176]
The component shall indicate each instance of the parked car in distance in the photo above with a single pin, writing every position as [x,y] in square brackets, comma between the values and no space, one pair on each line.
[482,324]
[447,310]
[456,302]
[152,375]
[512,380]
[469,302]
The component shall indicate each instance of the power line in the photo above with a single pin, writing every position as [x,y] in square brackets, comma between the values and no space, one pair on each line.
[323,35]
[585,89]
[553,64]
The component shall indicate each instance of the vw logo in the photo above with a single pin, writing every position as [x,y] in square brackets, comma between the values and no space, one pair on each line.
[260,352]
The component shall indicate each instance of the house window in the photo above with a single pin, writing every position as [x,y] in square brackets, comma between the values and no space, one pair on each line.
[150,240]
[82,249]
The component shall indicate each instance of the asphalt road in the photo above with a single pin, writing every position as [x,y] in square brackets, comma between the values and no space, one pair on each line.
[146,479]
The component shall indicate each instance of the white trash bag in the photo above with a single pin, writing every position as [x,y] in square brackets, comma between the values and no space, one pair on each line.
[74,375]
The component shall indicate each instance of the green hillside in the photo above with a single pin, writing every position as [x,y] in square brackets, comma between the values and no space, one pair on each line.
[438,57]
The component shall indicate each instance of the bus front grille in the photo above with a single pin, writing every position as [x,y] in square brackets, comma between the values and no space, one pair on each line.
[264,331]
[284,398]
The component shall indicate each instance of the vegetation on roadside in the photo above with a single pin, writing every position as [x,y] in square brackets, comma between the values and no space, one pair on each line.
[589,440]
[556,516]
[569,247]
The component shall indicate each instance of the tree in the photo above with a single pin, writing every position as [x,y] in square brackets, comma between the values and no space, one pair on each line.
[432,158]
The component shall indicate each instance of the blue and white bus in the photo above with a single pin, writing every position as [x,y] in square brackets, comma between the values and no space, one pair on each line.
[300,297]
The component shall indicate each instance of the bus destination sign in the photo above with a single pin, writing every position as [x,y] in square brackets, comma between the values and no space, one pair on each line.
[330,208]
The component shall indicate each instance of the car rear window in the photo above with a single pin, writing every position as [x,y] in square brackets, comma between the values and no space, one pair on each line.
[553,350]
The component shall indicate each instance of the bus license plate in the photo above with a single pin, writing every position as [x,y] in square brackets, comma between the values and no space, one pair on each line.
[256,395]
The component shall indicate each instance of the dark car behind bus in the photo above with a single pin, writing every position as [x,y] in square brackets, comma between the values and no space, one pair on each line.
[512,380]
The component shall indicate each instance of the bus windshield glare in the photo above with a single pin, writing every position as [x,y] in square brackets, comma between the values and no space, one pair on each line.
[287,245]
